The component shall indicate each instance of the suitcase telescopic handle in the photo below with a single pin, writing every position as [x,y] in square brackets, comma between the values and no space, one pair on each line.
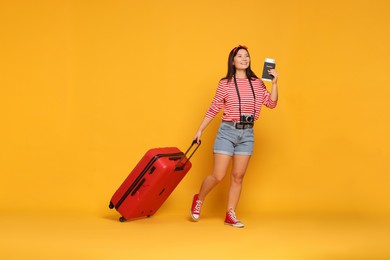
[180,165]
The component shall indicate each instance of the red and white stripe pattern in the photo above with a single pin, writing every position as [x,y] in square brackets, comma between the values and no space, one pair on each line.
[226,98]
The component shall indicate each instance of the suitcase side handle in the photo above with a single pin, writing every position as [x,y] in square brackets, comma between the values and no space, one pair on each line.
[180,165]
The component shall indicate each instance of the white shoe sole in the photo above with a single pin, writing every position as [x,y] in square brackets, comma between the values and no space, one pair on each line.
[235,225]
[194,218]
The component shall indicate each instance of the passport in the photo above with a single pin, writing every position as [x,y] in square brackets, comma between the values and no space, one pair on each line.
[268,64]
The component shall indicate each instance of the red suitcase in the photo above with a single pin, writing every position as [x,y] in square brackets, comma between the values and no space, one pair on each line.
[151,182]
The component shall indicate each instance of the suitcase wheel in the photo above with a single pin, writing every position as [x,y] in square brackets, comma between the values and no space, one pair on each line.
[122,219]
[111,206]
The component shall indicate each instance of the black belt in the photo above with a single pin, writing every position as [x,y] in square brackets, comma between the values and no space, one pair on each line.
[239,125]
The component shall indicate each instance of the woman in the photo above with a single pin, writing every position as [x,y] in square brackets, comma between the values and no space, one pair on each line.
[241,94]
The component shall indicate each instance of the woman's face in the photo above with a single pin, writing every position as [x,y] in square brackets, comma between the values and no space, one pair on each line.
[241,60]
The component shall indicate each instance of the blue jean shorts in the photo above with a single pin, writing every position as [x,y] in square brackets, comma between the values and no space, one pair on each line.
[231,141]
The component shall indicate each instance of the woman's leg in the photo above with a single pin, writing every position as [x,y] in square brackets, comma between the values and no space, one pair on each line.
[240,164]
[221,164]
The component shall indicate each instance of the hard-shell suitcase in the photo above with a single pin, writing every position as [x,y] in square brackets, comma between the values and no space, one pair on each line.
[151,182]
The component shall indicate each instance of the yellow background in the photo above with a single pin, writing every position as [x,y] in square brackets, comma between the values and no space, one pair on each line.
[87,87]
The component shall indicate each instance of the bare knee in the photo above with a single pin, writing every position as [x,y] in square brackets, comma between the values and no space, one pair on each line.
[237,178]
[216,178]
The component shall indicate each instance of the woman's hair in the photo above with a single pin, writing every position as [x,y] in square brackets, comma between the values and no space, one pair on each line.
[232,69]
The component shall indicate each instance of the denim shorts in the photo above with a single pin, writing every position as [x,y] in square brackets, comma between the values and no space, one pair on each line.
[231,141]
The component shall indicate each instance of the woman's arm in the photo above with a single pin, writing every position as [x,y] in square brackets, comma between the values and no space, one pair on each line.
[206,121]
[274,91]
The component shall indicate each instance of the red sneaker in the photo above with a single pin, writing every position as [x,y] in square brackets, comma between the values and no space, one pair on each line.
[232,220]
[195,208]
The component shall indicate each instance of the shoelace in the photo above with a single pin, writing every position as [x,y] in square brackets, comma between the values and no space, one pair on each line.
[198,206]
[232,215]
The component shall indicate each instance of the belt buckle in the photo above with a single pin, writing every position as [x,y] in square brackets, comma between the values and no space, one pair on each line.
[240,126]
[243,125]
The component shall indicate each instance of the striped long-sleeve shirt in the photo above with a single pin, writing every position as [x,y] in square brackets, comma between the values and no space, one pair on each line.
[226,98]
